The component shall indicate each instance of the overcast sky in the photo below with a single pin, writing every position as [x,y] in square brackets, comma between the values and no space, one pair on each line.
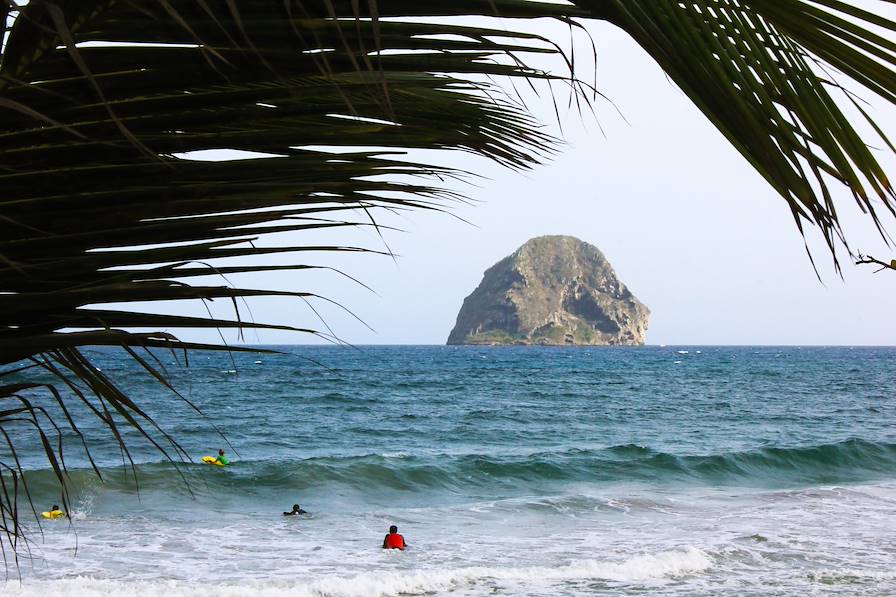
[695,233]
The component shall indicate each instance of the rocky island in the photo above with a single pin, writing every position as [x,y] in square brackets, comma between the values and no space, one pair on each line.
[554,290]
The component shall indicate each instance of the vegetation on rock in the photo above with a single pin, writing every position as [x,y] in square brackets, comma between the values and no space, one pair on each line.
[554,290]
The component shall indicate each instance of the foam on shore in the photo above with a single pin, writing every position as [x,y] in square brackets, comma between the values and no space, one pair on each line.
[647,567]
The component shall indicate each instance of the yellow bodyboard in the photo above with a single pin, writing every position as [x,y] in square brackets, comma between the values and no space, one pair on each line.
[53,514]
[211,460]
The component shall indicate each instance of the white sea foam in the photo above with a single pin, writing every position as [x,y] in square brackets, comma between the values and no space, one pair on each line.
[83,507]
[647,567]
[851,576]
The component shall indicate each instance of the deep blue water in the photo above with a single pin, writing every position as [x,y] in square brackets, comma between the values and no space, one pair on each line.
[612,455]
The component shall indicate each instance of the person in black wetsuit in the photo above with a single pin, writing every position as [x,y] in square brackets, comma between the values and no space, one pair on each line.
[296,510]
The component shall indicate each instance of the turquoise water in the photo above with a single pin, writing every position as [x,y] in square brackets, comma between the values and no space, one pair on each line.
[523,470]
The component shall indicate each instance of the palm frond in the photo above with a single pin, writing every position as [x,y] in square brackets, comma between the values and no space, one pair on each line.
[104,202]
[762,71]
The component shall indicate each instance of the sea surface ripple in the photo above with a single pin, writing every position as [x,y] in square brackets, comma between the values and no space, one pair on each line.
[681,470]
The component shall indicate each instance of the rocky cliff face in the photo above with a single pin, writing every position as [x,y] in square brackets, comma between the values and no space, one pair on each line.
[554,290]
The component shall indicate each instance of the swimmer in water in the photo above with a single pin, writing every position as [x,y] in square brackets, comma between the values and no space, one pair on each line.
[393,540]
[54,512]
[220,459]
[296,510]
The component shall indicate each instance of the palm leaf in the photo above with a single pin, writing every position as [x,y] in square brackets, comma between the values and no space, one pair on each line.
[101,206]
[756,70]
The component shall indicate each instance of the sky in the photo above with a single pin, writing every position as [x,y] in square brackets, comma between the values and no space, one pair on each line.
[689,226]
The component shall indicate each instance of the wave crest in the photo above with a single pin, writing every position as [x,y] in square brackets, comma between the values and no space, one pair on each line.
[849,461]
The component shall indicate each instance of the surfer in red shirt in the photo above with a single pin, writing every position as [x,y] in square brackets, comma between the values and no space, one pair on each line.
[393,540]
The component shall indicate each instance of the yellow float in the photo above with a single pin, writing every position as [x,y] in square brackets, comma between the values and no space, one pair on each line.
[53,514]
[212,460]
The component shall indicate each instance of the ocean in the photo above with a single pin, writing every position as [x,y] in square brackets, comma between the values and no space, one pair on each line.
[680,470]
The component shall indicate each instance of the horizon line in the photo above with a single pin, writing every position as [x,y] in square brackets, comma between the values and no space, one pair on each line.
[574,346]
